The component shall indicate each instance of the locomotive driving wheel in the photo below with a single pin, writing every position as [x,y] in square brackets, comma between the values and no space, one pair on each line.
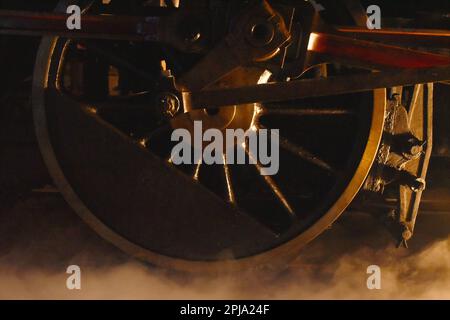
[108,149]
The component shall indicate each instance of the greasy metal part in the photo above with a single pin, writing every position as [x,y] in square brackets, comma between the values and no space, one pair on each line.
[304,111]
[421,126]
[272,185]
[306,155]
[163,26]
[405,37]
[375,182]
[274,92]
[230,190]
[256,35]
[228,117]
[93,26]
[303,19]
[402,161]
[372,55]
[168,104]
[302,153]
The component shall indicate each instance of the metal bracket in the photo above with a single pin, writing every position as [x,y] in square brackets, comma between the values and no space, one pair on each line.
[402,162]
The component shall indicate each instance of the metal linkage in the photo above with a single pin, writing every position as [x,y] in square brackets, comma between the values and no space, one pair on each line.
[273,92]
[93,26]
[160,26]
[401,166]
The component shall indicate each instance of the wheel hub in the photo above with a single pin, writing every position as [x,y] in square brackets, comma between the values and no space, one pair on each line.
[231,117]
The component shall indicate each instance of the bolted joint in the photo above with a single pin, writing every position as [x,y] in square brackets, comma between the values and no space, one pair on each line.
[418,185]
[406,232]
[412,148]
[168,104]
[261,34]
[258,34]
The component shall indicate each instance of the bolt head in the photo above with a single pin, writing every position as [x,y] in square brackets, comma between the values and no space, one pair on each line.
[415,150]
[406,234]
[168,104]
[261,34]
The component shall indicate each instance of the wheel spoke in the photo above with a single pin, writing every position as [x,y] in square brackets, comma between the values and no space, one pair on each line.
[303,153]
[273,186]
[277,192]
[196,175]
[230,190]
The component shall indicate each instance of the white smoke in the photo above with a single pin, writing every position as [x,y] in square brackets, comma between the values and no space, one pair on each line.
[34,255]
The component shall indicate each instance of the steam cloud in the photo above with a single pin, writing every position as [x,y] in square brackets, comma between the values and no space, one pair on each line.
[327,269]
